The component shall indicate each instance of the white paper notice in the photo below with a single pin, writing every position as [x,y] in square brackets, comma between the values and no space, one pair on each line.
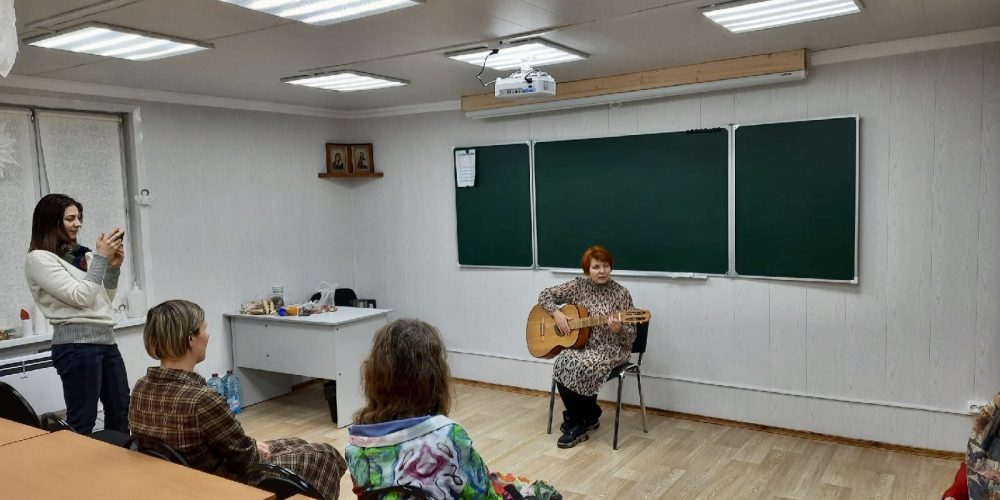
[465,168]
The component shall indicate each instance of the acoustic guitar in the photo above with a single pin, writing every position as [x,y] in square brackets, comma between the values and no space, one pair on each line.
[545,340]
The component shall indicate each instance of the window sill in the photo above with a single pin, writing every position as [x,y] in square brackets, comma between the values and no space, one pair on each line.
[38,339]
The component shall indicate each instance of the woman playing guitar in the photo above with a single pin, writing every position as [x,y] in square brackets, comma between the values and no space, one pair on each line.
[579,373]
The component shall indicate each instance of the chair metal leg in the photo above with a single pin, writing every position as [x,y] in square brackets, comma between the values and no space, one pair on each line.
[552,404]
[642,401]
[618,407]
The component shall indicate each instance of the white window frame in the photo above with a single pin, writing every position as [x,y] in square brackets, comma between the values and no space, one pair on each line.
[133,172]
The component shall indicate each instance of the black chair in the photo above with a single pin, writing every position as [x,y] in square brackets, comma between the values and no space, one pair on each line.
[343,297]
[347,298]
[405,493]
[283,482]
[619,372]
[14,407]
[155,448]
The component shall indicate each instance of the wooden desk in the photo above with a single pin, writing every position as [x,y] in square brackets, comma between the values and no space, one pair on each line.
[67,465]
[330,346]
[11,432]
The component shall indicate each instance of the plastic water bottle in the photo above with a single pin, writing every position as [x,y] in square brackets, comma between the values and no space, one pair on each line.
[216,383]
[232,384]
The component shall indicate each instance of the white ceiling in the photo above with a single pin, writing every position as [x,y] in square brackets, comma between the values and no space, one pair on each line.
[253,51]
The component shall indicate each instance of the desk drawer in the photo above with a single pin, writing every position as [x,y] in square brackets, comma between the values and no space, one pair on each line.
[307,350]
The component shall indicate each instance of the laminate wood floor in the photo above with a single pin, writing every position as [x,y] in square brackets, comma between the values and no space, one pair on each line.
[677,459]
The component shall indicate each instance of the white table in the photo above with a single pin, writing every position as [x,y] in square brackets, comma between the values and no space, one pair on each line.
[330,345]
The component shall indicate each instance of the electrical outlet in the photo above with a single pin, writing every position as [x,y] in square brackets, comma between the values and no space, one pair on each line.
[975,406]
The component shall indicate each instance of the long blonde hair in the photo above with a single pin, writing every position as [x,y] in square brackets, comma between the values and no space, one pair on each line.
[406,374]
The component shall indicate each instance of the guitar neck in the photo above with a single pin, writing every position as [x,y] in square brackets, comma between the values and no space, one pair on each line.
[590,321]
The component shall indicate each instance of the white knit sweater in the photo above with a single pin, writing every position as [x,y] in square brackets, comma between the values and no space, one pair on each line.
[69,296]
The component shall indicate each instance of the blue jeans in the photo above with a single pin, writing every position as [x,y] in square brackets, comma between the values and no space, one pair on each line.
[92,372]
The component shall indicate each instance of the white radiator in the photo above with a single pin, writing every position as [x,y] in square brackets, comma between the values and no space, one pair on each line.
[35,378]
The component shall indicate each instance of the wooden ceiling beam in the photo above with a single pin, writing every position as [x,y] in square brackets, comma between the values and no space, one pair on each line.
[762,64]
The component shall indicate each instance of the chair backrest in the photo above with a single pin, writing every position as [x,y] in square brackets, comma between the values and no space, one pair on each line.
[343,297]
[641,334]
[14,407]
[405,493]
[52,422]
[155,448]
[284,483]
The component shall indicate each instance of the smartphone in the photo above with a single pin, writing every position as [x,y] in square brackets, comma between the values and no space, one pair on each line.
[121,235]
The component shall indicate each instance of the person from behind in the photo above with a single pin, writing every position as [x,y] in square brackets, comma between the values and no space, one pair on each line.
[403,437]
[74,288]
[174,404]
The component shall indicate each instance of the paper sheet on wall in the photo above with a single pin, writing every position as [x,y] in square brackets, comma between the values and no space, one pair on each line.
[8,37]
[465,168]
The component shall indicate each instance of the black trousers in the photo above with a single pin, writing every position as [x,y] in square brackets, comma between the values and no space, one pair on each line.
[92,372]
[580,409]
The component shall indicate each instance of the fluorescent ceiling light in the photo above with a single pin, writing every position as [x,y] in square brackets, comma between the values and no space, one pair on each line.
[743,16]
[322,12]
[345,81]
[536,51]
[112,41]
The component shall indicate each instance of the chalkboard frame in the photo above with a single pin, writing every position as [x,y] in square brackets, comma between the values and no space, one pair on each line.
[731,130]
[857,197]
[531,194]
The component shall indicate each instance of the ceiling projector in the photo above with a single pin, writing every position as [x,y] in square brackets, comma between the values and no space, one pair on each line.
[526,82]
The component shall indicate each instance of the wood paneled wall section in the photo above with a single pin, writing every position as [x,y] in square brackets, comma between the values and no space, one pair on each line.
[921,330]
[741,67]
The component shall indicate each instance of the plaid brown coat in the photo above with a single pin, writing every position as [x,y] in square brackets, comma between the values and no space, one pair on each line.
[178,408]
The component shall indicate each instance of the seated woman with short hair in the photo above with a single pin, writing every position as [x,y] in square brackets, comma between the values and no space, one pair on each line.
[174,404]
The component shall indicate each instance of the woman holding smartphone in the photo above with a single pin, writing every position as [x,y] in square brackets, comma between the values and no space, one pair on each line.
[74,287]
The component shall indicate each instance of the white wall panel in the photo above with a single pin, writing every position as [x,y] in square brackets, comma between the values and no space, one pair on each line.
[987,376]
[748,349]
[954,241]
[869,90]
[238,208]
[789,351]
[911,157]
[667,115]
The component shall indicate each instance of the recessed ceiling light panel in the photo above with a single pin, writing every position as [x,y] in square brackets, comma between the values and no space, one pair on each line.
[743,16]
[112,41]
[346,81]
[323,12]
[536,51]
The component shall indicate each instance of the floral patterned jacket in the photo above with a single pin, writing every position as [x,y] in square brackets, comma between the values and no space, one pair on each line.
[433,454]
[983,458]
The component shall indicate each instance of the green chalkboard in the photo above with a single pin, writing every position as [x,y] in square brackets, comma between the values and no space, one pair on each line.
[659,202]
[494,216]
[796,199]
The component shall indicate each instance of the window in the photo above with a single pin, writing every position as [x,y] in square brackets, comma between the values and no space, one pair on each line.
[78,154]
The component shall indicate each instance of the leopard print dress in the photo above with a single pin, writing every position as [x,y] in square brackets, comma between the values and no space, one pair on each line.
[584,370]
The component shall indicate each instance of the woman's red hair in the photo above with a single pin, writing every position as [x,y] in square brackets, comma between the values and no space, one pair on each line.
[596,252]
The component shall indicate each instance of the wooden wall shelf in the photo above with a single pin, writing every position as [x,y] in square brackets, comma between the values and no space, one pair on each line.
[326,175]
